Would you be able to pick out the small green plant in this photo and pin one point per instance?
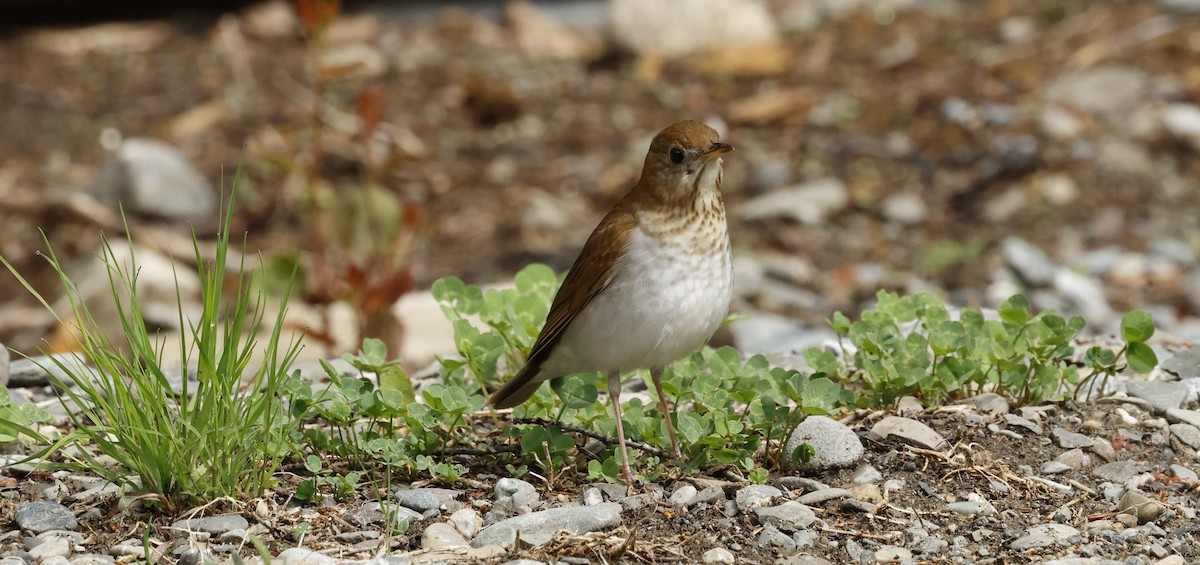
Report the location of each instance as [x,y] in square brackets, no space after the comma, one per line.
[910,345]
[727,408]
[17,419]
[222,437]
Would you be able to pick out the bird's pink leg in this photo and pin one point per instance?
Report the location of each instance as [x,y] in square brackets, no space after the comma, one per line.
[656,376]
[614,395]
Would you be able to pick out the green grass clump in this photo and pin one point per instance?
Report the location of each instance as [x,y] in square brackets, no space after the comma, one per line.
[223,437]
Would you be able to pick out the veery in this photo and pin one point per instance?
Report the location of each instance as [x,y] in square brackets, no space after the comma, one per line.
[652,283]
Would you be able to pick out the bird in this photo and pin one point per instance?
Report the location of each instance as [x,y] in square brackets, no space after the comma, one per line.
[651,285]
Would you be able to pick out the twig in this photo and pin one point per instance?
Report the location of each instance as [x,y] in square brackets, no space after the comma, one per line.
[594,435]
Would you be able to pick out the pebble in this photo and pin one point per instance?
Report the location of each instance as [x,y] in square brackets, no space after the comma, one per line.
[866,474]
[989,403]
[682,496]
[770,536]
[1014,420]
[592,497]
[908,431]
[971,508]
[1055,467]
[651,28]
[1161,395]
[210,524]
[467,521]
[440,535]
[1184,473]
[1029,262]
[519,492]
[1044,535]
[1187,433]
[1181,416]
[905,208]
[150,177]
[808,203]
[304,556]
[1074,459]
[718,555]
[538,527]
[418,500]
[52,547]
[1070,440]
[41,516]
[1146,509]
[892,554]
[834,444]
[753,496]
[823,495]
[790,516]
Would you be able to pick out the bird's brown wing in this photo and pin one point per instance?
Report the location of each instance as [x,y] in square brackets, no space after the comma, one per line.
[592,271]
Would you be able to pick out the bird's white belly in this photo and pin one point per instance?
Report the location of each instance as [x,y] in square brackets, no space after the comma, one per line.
[662,304]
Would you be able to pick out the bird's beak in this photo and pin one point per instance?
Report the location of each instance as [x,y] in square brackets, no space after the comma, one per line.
[716,150]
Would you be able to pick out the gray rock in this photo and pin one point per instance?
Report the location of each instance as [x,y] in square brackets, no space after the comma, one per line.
[1181,6]
[1181,416]
[1074,459]
[866,474]
[519,492]
[905,208]
[467,521]
[718,555]
[1161,395]
[53,547]
[1145,508]
[682,496]
[539,527]
[1187,433]
[1014,420]
[1055,467]
[790,516]
[808,203]
[753,496]
[1029,262]
[440,535]
[989,403]
[215,525]
[1067,439]
[1086,294]
[823,495]
[304,556]
[151,177]
[1184,364]
[1184,473]
[706,496]
[1183,121]
[893,554]
[971,507]
[1044,535]
[190,556]
[36,371]
[834,444]
[42,516]
[592,497]
[660,29]
[637,501]
[1100,89]
[1118,472]
[908,431]
[418,500]
[770,536]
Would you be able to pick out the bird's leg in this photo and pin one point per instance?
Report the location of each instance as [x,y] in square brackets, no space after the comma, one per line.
[656,376]
[614,395]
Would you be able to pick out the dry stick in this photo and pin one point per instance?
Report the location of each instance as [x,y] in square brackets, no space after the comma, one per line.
[589,433]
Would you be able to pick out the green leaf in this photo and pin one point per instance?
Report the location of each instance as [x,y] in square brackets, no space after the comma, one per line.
[689,426]
[1015,310]
[1141,357]
[1137,326]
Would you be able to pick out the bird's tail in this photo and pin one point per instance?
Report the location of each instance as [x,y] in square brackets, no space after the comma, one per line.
[516,391]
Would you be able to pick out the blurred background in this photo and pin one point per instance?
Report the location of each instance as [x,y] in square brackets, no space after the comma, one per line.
[972,149]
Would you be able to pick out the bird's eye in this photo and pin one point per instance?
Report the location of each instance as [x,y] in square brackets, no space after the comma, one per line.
[676,155]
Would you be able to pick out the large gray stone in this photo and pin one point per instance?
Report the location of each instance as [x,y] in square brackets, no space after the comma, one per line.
[1161,395]
[834,444]
[538,528]
[790,516]
[42,516]
[151,177]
